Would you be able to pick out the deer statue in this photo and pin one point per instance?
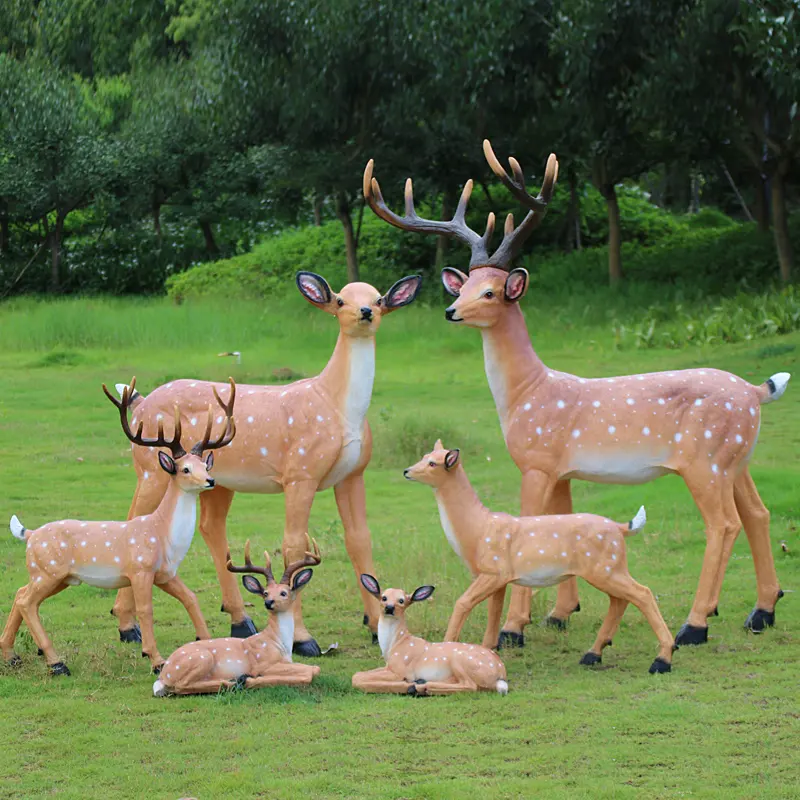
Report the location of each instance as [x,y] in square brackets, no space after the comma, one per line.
[701,424]
[535,552]
[297,439]
[265,659]
[143,551]
[416,667]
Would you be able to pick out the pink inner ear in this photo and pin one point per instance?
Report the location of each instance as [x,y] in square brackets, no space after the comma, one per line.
[312,290]
[515,286]
[452,281]
[404,292]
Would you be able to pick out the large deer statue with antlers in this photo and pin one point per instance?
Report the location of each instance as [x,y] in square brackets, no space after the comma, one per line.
[701,424]
[143,551]
[265,659]
[297,439]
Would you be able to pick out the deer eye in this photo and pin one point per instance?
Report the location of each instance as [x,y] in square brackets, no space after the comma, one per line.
[488,294]
[431,463]
[401,601]
[186,470]
[383,598]
[379,301]
[339,302]
[283,594]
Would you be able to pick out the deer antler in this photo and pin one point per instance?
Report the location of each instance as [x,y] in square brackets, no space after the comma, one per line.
[249,567]
[308,560]
[122,406]
[230,428]
[456,228]
[513,238]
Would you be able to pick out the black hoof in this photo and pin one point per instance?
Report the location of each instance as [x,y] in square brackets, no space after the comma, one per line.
[374,638]
[307,649]
[412,690]
[157,669]
[590,659]
[420,681]
[659,667]
[243,629]
[759,619]
[510,639]
[576,609]
[555,622]
[365,621]
[241,683]
[715,612]
[39,651]
[131,636]
[690,634]
[59,668]
[14,661]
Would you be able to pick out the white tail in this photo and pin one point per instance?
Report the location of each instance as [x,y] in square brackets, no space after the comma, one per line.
[17,528]
[777,384]
[159,690]
[502,687]
[638,522]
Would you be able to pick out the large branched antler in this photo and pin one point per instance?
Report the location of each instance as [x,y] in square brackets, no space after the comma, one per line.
[308,560]
[230,428]
[124,404]
[249,567]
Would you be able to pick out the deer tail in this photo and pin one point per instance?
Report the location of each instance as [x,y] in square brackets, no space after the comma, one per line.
[773,388]
[636,524]
[137,396]
[18,530]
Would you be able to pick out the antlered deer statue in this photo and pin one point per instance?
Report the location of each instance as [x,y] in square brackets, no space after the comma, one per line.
[701,424]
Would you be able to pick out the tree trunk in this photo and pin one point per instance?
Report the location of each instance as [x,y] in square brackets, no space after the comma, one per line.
[442,241]
[614,235]
[54,236]
[573,215]
[780,225]
[5,242]
[343,212]
[318,200]
[761,204]
[157,222]
[208,234]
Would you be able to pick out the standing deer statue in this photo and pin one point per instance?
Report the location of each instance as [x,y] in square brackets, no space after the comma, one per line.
[416,667]
[143,551]
[535,552]
[264,659]
[701,424]
[297,439]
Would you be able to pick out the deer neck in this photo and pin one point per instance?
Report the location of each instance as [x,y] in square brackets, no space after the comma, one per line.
[348,379]
[280,629]
[392,632]
[512,367]
[461,513]
[175,520]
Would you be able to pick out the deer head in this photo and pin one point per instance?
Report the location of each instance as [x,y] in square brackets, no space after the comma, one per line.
[394,602]
[359,307]
[435,467]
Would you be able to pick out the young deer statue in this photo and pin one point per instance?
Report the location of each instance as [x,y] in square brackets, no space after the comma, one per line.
[416,667]
[297,439]
[499,549]
[143,551]
[701,424]
[265,659]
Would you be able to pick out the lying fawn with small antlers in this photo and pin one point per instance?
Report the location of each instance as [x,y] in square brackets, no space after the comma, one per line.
[136,553]
[265,659]
[499,549]
[296,439]
[416,667]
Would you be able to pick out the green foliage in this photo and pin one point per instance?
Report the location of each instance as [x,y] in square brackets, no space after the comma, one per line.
[709,217]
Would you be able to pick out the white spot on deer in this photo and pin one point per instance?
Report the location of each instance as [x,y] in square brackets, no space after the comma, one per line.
[738,439]
[630,401]
[83,544]
[527,406]
[561,404]
[301,450]
[263,451]
[555,535]
[116,558]
[576,433]
[219,419]
[193,420]
[646,431]
[596,403]
[661,401]
[488,538]
[250,419]
[752,411]
[539,431]
[678,437]
[698,402]
[707,434]
[291,420]
[613,556]
[714,468]
[728,406]
[612,429]
[731,379]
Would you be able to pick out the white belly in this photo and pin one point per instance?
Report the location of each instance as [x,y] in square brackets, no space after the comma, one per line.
[449,530]
[541,576]
[98,575]
[181,532]
[621,468]
[344,465]
[432,671]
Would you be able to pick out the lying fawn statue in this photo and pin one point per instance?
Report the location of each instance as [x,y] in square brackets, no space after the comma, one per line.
[416,667]
[265,659]
[499,549]
[138,553]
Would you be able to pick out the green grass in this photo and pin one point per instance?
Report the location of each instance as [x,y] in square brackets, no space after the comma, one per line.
[725,723]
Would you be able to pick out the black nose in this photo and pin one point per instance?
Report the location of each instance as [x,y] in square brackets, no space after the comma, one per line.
[269,604]
[389,610]
[405,473]
[366,312]
[449,312]
[210,482]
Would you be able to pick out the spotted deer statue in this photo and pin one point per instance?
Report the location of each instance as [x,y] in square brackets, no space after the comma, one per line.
[535,552]
[701,424]
[296,439]
[416,667]
[143,551]
[264,659]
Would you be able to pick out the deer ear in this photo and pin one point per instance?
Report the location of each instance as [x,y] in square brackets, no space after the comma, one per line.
[301,578]
[314,288]
[405,291]
[451,459]
[453,280]
[438,445]
[167,464]
[423,593]
[209,461]
[370,584]
[516,284]
[252,584]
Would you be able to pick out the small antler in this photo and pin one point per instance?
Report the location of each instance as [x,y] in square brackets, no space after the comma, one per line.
[124,404]
[456,228]
[249,567]
[230,428]
[308,560]
[514,238]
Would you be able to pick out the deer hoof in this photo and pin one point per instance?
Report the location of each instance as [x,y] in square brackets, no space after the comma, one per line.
[659,667]
[510,639]
[131,635]
[691,634]
[59,668]
[365,621]
[307,649]
[39,651]
[241,683]
[374,638]
[715,612]
[590,659]
[157,668]
[412,690]
[555,622]
[243,629]
[14,661]
[759,619]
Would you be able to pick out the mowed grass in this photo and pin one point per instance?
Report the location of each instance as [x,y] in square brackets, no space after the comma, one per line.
[725,723]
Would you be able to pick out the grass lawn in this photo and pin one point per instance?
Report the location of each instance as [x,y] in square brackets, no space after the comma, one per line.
[724,723]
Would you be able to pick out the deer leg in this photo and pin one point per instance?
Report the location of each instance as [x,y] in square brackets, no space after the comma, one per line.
[142,584]
[567,601]
[460,683]
[10,631]
[755,518]
[381,681]
[495,614]
[146,498]
[537,488]
[483,586]
[214,507]
[299,497]
[616,608]
[350,498]
[284,675]
[176,588]
[29,604]
[731,534]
